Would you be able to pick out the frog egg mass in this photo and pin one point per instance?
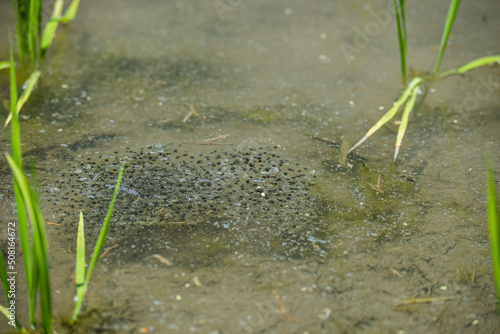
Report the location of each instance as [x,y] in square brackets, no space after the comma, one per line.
[235,200]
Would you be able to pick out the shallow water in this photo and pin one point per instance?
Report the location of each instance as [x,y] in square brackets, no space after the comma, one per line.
[362,245]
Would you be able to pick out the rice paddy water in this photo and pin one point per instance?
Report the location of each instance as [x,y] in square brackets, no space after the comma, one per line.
[240,210]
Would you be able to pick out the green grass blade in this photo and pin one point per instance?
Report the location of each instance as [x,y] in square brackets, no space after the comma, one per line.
[41,259]
[17,325]
[71,11]
[3,278]
[41,250]
[40,267]
[33,25]
[98,246]
[399,12]
[452,13]
[80,258]
[4,311]
[391,112]
[472,65]
[30,31]
[403,23]
[4,65]
[493,223]
[16,135]
[51,26]
[21,210]
[405,118]
[479,62]
[30,85]
[35,283]
[19,32]
[17,157]
[20,191]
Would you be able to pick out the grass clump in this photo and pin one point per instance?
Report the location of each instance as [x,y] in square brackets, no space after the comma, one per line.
[32,44]
[493,223]
[35,255]
[82,281]
[419,85]
[31,228]
[33,41]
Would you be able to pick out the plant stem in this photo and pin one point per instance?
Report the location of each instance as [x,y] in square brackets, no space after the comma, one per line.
[399,12]
[493,223]
[452,13]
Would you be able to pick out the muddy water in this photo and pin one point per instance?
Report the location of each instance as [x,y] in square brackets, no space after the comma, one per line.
[222,236]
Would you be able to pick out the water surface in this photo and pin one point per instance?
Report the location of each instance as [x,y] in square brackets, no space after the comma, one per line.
[349,244]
